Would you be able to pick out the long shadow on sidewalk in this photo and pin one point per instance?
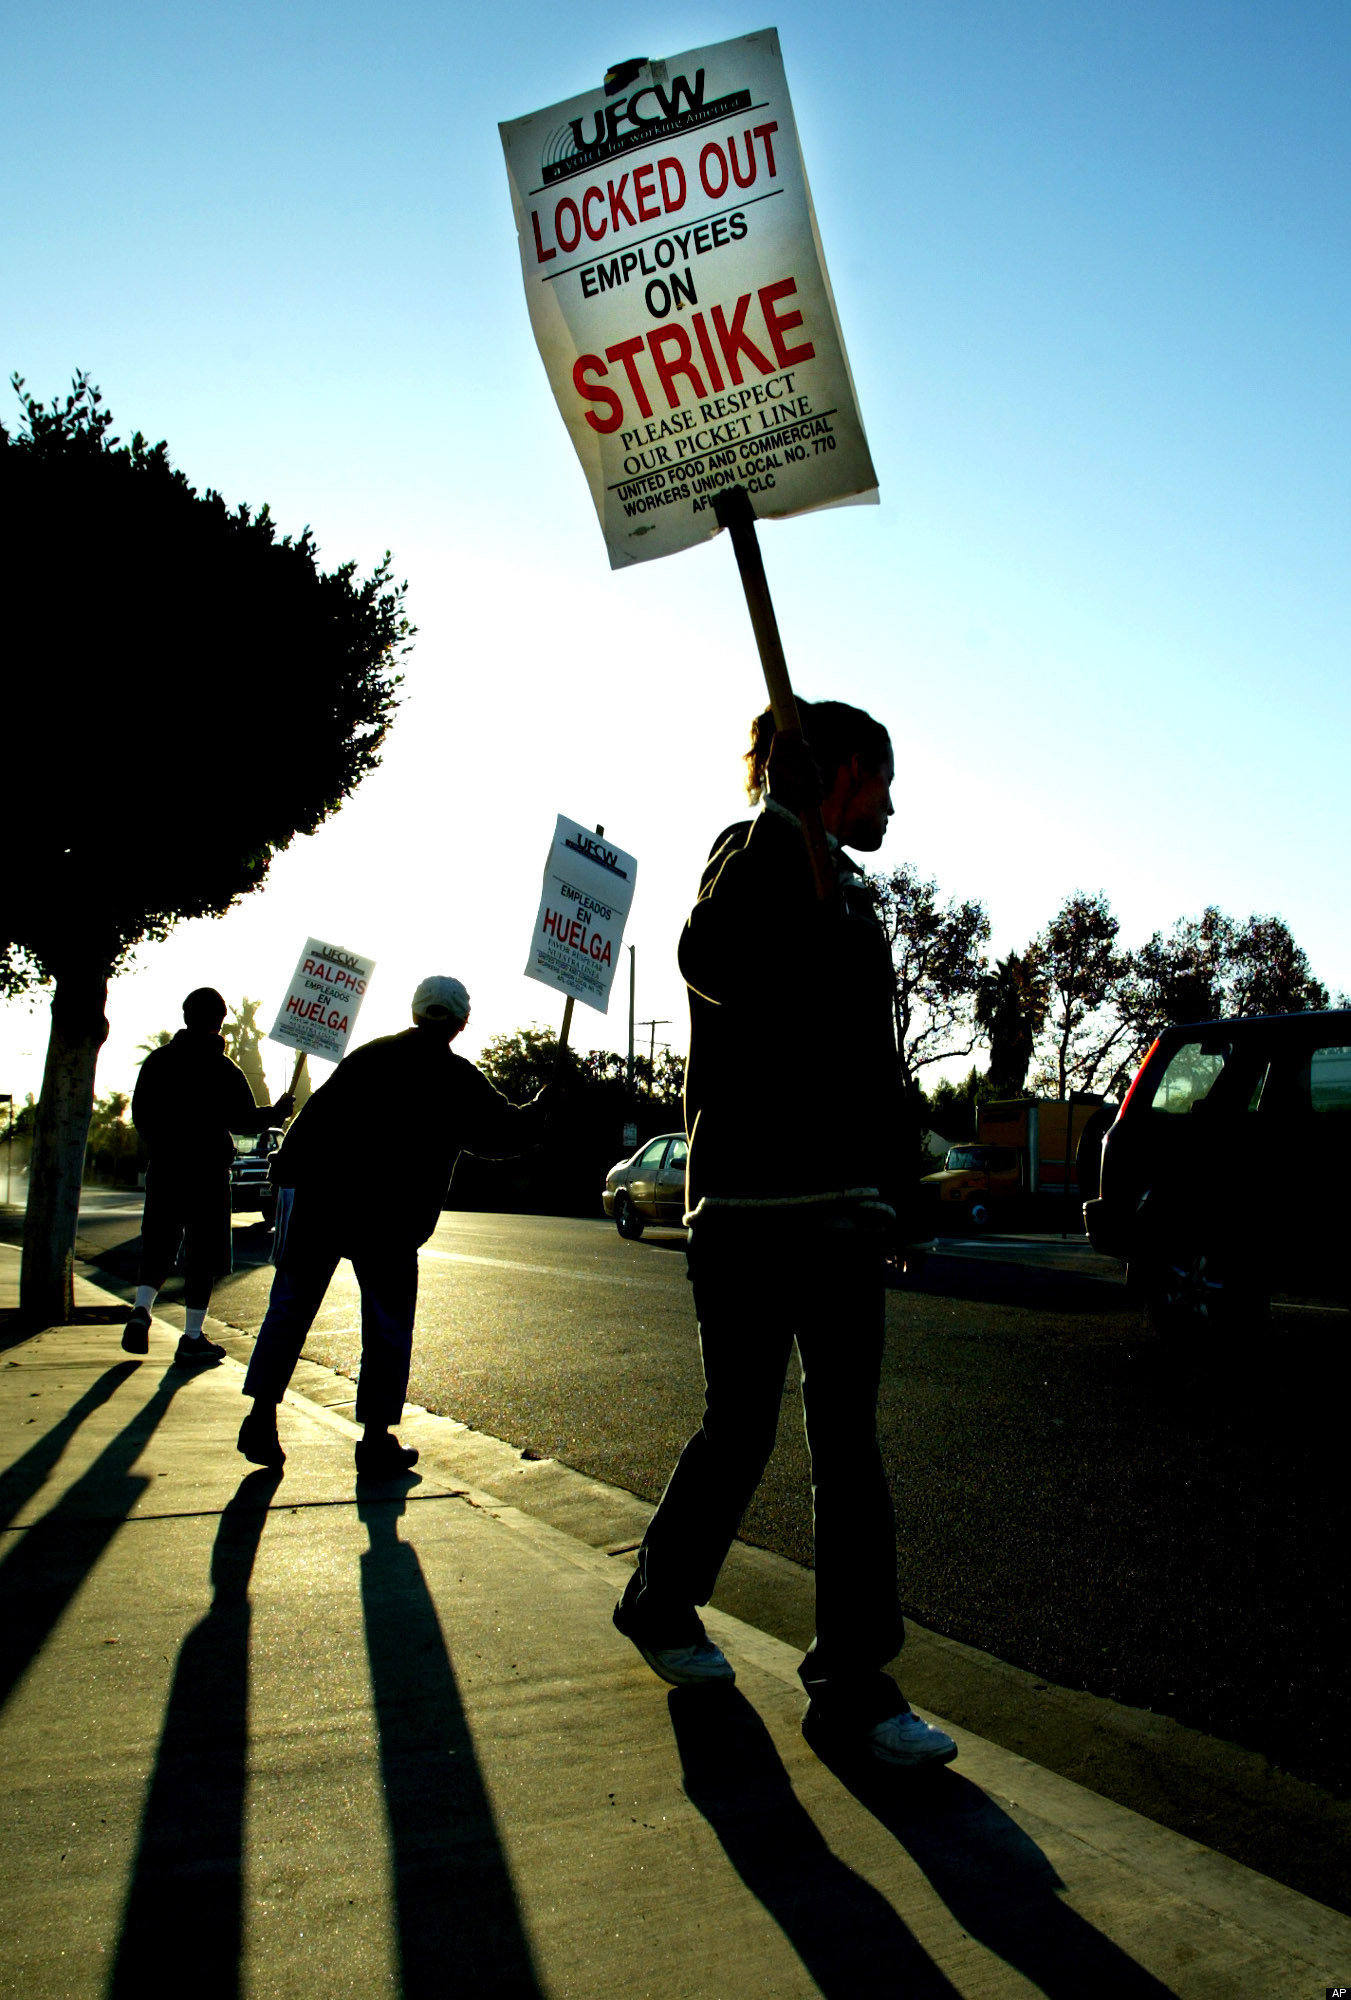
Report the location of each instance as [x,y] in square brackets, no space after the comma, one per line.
[183,1921]
[49,1562]
[846,1933]
[458,1922]
[29,1473]
[996,1881]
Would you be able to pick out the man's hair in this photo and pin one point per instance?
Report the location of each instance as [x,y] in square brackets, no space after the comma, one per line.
[834,733]
[204,1008]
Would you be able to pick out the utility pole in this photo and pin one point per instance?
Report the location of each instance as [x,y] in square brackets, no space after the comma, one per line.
[628,1074]
[652,1053]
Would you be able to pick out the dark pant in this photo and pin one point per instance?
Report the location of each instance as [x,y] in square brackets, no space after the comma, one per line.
[307,1256]
[754,1295]
[187,1208]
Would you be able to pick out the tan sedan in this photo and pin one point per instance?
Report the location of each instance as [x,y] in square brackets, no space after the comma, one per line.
[648,1187]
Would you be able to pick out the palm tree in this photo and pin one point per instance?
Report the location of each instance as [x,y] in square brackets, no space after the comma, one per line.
[1011,1005]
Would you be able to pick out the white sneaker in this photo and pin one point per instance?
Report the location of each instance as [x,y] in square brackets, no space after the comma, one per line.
[699,1664]
[704,1665]
[908,1741]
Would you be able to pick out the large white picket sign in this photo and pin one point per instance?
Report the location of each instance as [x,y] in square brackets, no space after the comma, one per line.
[588,887]
[322,1002]
[679,298]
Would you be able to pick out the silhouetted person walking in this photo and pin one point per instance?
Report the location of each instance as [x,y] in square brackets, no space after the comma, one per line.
[189,1099]
[792,1106]
[428,1105]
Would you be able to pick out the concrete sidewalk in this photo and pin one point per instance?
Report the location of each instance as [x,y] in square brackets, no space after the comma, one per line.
[279,1735]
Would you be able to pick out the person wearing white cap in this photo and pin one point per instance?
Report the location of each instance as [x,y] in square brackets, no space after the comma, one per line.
[441,999]
[427,1105]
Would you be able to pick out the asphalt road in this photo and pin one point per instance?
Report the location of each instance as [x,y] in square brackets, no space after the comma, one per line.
[1165,1527]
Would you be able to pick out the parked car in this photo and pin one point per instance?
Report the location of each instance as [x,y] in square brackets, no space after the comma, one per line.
[1227,1172]
[649,1186]
[250,1187]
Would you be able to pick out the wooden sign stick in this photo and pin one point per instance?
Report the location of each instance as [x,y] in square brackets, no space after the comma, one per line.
[735,513]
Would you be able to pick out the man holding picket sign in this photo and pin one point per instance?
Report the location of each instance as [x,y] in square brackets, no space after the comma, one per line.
[680,302]
[429,1105]
[791,1038]
[189,1099]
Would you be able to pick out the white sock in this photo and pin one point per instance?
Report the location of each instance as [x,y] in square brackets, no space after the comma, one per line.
[146,1296]
[193,1317]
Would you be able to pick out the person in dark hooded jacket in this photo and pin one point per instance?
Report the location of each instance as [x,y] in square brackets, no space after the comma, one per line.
[189,1099]
[793,1110]
[431,1105]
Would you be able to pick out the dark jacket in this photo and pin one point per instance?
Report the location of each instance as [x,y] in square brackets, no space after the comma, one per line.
[379,1141]
[190,1097]
[792,1092]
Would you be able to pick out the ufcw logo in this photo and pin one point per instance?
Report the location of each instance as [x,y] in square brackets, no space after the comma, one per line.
[623,114]
[594,851]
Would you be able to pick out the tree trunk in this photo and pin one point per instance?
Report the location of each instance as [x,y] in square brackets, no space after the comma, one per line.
[56,1167]
[1063,1064]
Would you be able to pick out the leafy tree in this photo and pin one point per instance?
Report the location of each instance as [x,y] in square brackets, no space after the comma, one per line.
[16,1136]
[1269,973]
[1011,1003]
[1212,966]
[111,1148]
[1087,1035]
[603,1066]
[662,1081]
[25,1117]
[522,1062]
[1182,976]
[585,1136]
[938,959]
[133,603]
[952,1107]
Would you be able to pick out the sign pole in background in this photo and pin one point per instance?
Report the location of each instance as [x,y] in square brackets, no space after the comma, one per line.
[579,927]
[681,305]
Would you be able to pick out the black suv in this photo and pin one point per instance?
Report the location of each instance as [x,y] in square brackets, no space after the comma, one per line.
[1227,1173]
[250,1186]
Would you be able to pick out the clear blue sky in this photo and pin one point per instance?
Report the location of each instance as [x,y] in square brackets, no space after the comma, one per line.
[1092,267]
